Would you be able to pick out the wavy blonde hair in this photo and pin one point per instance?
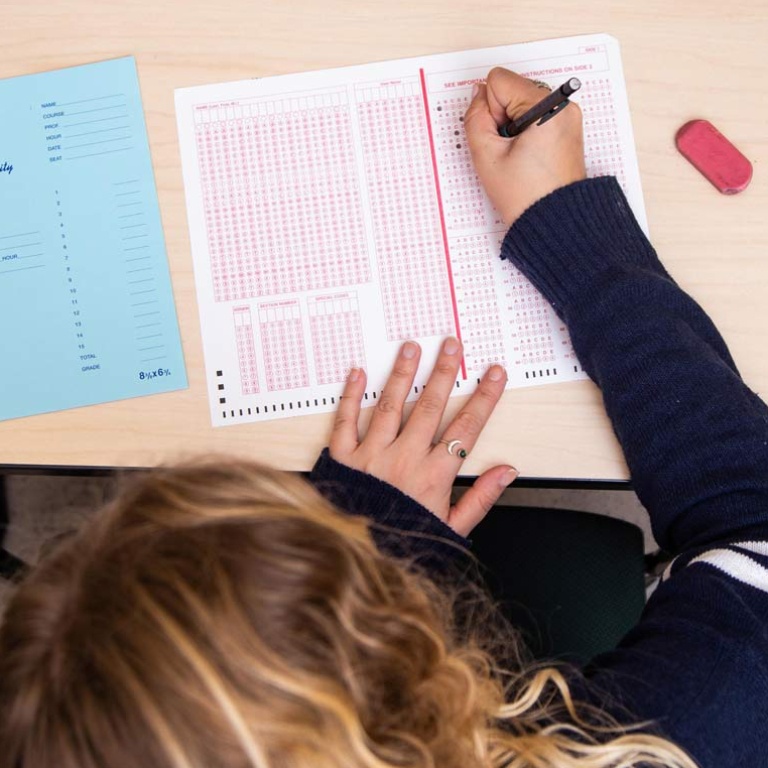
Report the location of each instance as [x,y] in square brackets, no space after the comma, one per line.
[224,615]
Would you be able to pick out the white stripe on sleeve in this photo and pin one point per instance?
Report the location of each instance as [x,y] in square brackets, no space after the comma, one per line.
[758,547]
[740,567]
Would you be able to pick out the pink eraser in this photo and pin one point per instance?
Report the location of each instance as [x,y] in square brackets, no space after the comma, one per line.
[714,156]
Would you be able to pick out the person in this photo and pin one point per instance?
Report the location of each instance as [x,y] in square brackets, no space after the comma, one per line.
[224,614]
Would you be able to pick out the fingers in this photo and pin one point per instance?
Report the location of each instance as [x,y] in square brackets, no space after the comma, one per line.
[475,504]
[428,411]
[471,419]
[345,436]
[504,96]
[388,415]
[482,131]
[509,95]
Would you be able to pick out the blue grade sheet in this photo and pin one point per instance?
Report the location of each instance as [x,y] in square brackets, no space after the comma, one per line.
[86,307]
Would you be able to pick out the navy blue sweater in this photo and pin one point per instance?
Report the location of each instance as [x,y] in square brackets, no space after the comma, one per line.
[696,442]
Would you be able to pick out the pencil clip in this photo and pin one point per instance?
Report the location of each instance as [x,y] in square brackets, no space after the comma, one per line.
[562,105]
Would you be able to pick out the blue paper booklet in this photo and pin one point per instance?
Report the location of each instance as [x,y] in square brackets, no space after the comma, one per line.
[86,306]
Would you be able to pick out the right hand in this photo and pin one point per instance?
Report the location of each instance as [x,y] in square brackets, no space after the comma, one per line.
[519,171]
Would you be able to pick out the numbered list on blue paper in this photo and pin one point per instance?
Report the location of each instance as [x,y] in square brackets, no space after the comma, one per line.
[86,306]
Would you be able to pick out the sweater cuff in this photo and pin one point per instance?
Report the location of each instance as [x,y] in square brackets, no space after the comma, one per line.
[570,239]
[400,525]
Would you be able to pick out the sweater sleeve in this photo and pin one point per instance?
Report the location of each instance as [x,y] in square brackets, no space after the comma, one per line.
[696,441]
[695,437]
[400,526]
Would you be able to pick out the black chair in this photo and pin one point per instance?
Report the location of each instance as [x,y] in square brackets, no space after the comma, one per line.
[572,582]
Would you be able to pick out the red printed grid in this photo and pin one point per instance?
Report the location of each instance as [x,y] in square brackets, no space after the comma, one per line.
[463,196]
[246,350]
[531,331]
[602,144]
[282,339]
[401,185]
[281,197]
[481,320]
[337,337]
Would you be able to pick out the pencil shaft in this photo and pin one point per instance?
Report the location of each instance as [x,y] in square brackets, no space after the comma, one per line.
[557,99]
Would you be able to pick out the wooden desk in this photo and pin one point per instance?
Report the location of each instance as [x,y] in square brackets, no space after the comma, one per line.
[681,61]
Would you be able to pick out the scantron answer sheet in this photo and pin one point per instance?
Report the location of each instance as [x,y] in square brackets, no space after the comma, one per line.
[334,214]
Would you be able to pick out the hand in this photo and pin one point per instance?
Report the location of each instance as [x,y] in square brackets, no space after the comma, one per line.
[517,172]
[407,455]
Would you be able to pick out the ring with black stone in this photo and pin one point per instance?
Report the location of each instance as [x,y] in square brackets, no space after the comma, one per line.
[452,445]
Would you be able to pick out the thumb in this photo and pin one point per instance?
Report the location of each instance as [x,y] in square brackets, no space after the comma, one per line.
[475,504]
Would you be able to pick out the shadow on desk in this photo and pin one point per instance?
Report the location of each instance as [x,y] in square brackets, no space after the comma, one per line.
[10,565]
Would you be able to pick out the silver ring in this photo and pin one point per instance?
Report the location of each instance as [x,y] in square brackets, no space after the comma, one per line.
[452,445]
[541,84]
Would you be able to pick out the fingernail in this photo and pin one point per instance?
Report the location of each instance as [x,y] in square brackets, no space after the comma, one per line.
[450,346]
[496,373]
[354,374]
[508,477]
[409,350]
[475,90]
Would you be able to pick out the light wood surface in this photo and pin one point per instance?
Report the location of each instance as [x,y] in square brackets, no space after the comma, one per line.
[682,60]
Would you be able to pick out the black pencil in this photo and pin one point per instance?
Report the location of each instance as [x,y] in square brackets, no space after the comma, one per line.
[546,109]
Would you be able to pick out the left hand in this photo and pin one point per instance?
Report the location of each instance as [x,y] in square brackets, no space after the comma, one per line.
[407,455]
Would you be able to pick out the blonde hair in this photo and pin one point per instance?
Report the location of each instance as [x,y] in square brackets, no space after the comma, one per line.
[224,615]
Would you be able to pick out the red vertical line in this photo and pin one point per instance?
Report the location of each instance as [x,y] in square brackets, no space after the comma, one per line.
[442,216]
